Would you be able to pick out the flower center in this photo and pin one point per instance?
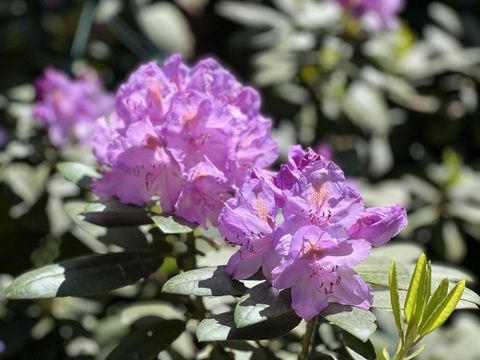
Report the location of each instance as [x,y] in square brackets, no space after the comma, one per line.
[319,194]
[312,251]
[261,208]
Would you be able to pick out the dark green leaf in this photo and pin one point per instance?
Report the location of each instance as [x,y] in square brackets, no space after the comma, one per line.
[209,281]
[358,322]
[260,303]
[358,350]
[172,224]
[222,327]
[110,212]
[84,276]
[78,173]
[147,341]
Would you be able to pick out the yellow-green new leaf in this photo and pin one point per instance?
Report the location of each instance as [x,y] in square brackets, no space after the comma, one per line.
[439,294]
[416,353]
[423,294]
[394,297]
[414,286]
[385,354]
[445,309]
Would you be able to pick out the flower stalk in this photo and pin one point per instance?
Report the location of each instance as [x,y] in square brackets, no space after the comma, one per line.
[308,337]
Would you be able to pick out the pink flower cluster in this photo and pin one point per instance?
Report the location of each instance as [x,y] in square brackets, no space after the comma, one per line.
[69,108]
[184,135]
[376,14]
[306,229]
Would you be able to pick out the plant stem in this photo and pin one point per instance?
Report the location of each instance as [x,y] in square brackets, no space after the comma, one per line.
[403,349]
[191,264]
[308,338]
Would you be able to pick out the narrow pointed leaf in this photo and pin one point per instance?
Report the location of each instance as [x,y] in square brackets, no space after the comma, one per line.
[413,289]
[422,299]
[208,281]
[394,297]
[439,294]
[415,353]
[445,309]
[381,299]
[385,354]
[84,276]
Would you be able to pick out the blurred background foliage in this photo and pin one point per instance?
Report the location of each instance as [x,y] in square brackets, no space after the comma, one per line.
[399,111]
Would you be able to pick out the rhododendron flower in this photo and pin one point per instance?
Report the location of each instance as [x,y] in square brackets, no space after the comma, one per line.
[69,108]
[184,135]
[377,15]
[248,220]
[325,232]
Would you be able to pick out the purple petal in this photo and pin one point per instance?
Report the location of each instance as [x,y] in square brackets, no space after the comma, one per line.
[352,290]
[378,225]
[306,301]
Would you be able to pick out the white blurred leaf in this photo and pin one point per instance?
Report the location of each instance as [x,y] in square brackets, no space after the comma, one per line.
[316,14]
[381,158]
[446,17]
[365,105]
[455,248]
[422,217]
[464,211]
[249,14]
[441,40]
[385,193]
[107,9]
[421,188]
[27,182]
[167,27]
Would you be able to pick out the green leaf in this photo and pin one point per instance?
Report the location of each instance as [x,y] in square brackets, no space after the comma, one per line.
[416,352]
[358,322]
[147,341]
[394,298]
[398,251]
[110,212]
[172,224]
[439,294]
[78,173]
[222,327]
[415,285]
[357,349]
[159,309]
[208,281]
[381,299]
[444,310]
[385,354]
[375,271]
[422,297]
[84,276]
[260,303]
